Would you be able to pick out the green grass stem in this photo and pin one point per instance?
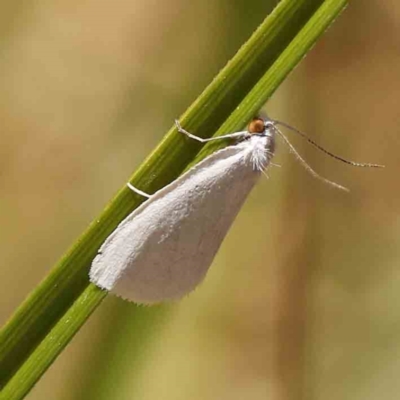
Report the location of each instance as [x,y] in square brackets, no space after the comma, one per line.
[48,319]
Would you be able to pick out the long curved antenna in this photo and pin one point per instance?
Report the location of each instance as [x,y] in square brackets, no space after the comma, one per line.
[305,165]
[316,145]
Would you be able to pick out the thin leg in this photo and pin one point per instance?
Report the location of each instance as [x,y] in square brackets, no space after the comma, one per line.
[271,154]
[241,134]
[274,165]
[130,186]
[263,172]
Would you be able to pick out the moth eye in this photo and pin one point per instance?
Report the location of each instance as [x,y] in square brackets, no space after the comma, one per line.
[256,126]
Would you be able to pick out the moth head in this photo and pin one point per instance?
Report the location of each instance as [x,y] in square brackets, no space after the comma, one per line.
[256,126]
[260,126]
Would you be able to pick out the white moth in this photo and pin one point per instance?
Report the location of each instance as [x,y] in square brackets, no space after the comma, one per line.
[164,248]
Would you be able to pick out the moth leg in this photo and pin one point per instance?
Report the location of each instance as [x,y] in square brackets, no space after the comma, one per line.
[274,164]
[138,191]
[241,134]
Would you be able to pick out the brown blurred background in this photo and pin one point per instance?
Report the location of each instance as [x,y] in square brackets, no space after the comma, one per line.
[303,300]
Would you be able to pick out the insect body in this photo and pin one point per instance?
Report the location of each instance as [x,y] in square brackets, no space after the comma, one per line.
[164,248]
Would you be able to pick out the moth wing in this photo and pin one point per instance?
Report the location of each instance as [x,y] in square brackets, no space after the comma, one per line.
[164,248]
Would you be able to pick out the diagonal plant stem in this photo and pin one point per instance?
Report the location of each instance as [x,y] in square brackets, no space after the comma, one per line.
[58,307]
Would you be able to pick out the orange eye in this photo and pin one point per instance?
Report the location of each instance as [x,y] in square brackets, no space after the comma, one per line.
[256,126]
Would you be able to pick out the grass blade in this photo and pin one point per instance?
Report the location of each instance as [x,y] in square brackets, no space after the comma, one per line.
[51,315]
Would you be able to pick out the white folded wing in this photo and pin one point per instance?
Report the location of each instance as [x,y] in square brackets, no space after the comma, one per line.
[164,248]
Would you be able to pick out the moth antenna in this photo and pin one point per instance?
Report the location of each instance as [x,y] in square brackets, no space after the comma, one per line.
[319,147]
[305,165]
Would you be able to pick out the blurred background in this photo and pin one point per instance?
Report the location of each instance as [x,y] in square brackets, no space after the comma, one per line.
[302,300]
